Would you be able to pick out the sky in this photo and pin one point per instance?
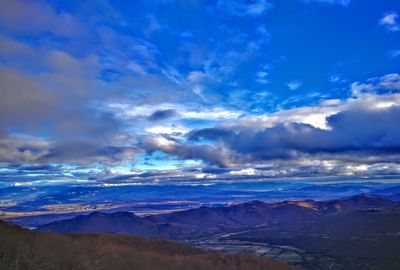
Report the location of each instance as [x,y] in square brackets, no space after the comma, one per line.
[121,92]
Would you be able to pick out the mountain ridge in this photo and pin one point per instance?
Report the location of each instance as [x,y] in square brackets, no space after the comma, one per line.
[205,220]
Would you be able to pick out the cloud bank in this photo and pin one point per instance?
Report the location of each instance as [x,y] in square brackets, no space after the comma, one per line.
[159,91]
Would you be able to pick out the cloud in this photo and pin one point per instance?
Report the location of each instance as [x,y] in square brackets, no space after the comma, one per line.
[370,132]
[390,21]
[27,17]
[331,2]
[51,94]
[196,77]
[385,84]
[183,111]
[336,79]
[293,85]
[48,97]
[22,149]
[78,88]
[213,154]
[262,77]
[359,130]
[394,53]
[245,8]
[336,137]
[136,68]
[262,74]
[162,115]
[87,153]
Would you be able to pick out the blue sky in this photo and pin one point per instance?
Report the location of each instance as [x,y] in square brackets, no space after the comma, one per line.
[159,91]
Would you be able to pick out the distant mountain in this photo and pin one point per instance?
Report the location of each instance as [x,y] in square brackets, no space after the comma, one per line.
[23,249]
[205,221]
[354,203]
[118,222]
[249,214]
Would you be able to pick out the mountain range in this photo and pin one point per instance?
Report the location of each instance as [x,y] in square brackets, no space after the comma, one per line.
[355,232]
[203,221]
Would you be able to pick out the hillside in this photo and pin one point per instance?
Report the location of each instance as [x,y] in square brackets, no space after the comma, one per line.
[23,249]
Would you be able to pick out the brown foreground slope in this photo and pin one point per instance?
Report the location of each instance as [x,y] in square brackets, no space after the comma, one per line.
[24,249]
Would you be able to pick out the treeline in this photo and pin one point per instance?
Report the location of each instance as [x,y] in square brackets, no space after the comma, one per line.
[22,249]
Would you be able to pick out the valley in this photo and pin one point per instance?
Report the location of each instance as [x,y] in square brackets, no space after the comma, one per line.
[357,232]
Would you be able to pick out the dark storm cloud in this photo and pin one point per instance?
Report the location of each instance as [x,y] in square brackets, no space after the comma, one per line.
[371,132]
[162,115]
[35,168]
[87,153]
[210,133]
[38,152]
[214,170]
[369,129]
[56,99]
[87,124]
[56,105]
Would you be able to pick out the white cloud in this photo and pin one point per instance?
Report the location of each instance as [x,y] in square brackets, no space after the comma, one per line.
[258,7]
[293,85]
[262,74]
[128,111]
[315,115]
[394,53]
[195,76]
[331,2]
[364,96]
[243,8]
[247,171]
[388,83]
[390,21]
[167,129]
[336,79]
[37,17]
[137,68]
[262,77]
[173,75]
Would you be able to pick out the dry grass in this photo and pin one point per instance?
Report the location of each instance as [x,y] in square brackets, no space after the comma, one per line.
[23,249]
